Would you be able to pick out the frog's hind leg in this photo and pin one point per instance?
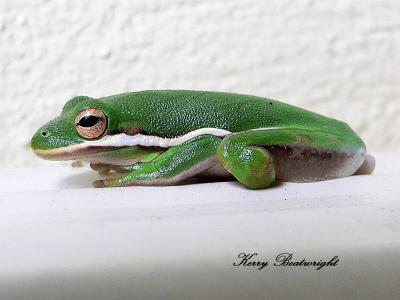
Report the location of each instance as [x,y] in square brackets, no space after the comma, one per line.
[172,166]
[257,157]
[249,163]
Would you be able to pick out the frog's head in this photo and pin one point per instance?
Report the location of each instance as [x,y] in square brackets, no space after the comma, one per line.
[76,132]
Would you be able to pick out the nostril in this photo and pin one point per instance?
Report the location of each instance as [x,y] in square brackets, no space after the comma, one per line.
[44,133]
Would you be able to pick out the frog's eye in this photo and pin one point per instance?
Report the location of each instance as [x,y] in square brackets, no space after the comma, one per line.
[91,123]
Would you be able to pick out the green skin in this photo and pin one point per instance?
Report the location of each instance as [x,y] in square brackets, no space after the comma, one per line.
[256,126]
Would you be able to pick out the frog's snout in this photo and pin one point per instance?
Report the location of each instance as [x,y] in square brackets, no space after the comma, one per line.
[40,142]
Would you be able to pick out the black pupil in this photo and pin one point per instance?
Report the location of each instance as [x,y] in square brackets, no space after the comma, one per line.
[88,121]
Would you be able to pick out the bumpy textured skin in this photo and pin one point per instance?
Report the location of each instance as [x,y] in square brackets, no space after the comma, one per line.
[257,125]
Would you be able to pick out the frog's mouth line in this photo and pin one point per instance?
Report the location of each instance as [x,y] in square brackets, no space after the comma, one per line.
[90,149]
[72,152]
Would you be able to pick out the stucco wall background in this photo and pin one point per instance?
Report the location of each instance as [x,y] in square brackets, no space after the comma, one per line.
[339,58]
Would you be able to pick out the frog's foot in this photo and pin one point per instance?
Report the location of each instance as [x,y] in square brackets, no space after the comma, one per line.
[105,169]
[172,166]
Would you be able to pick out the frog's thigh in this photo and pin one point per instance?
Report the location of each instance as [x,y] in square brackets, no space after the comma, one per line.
[172,166]
[256,157]
[250,165]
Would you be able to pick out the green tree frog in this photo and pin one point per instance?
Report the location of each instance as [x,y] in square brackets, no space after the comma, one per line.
[163,137]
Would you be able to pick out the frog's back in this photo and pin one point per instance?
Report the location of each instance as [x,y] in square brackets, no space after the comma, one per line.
[180,111]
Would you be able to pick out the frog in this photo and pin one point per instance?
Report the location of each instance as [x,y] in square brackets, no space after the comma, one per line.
[167,137]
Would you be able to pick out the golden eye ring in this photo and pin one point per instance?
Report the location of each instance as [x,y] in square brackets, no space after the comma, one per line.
[91,123]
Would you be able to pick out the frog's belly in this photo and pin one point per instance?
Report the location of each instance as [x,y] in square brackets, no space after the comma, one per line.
[299,164]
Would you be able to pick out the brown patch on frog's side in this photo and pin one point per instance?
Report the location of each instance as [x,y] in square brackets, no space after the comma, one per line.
[127,131]
[132,131]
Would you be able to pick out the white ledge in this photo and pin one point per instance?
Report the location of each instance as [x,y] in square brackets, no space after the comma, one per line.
[62,239]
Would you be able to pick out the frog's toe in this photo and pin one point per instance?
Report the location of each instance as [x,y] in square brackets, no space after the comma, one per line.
[99,183]
[106,169]
[108,183]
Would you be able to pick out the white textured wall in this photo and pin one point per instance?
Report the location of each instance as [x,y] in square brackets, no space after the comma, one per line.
[340,58]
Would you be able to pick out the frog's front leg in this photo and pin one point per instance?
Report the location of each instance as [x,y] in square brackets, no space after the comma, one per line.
[172,166]
[256,157]
[124,160]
